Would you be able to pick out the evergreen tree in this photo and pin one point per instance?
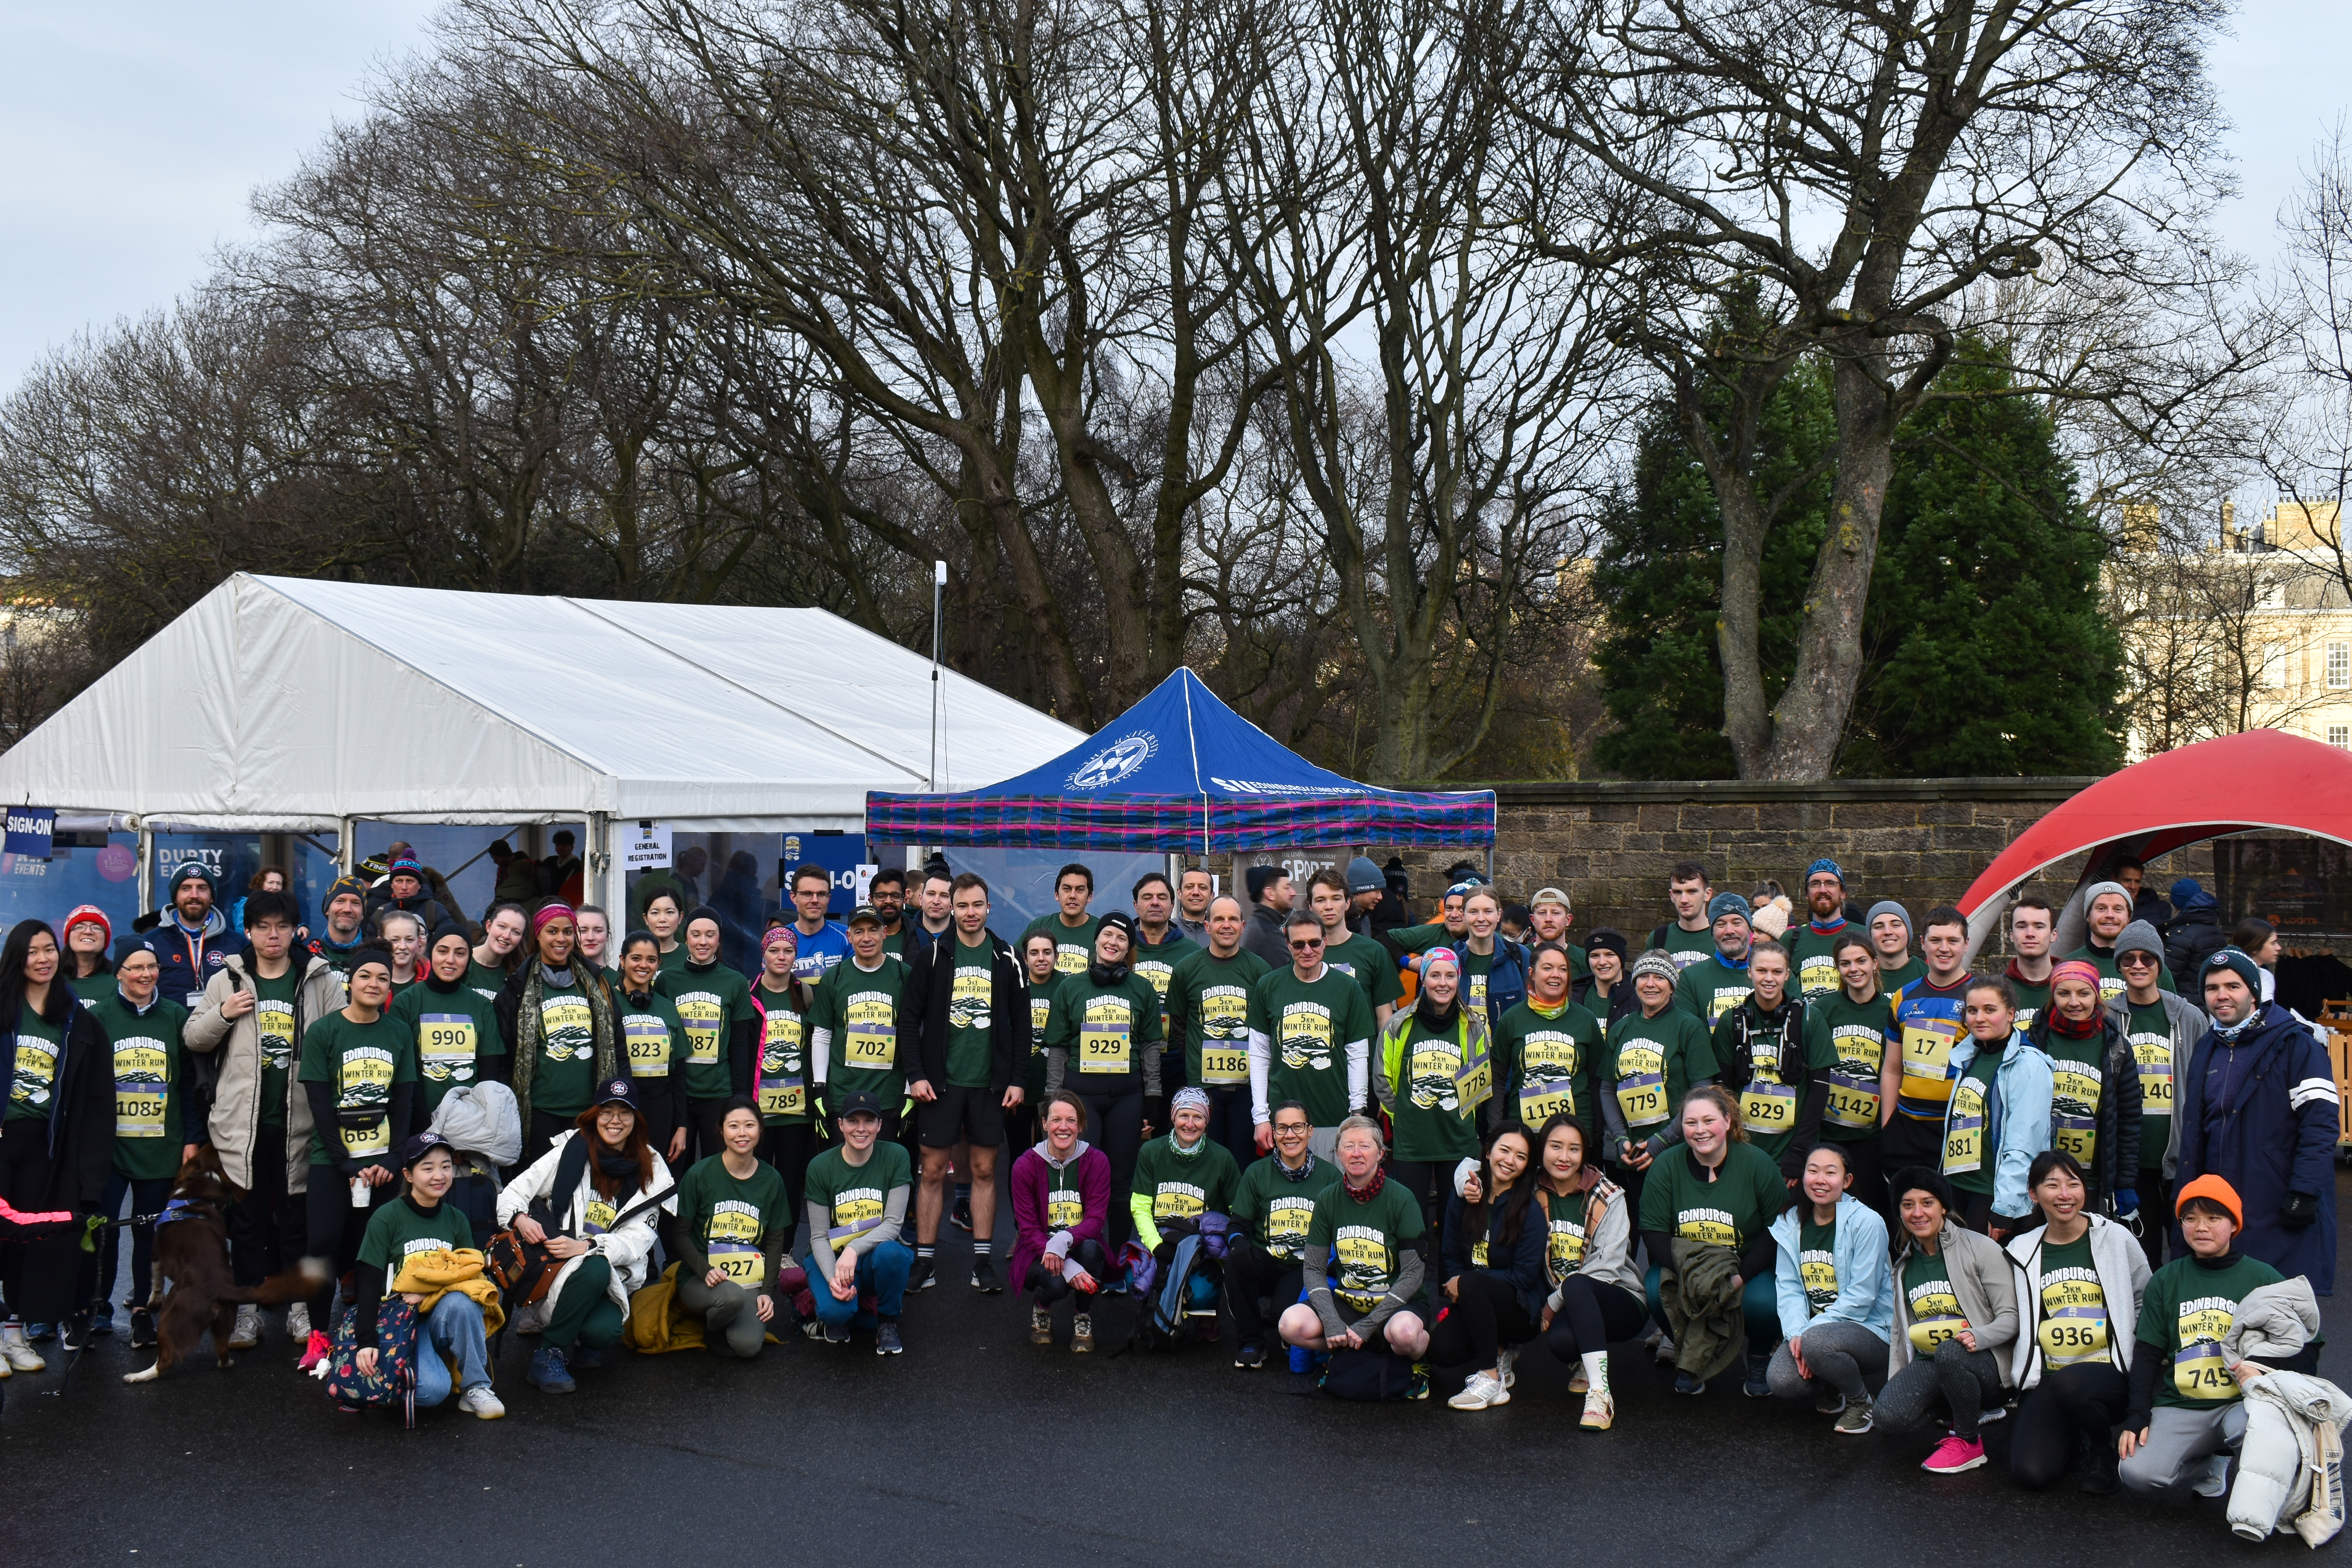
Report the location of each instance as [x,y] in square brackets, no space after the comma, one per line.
[1985,648]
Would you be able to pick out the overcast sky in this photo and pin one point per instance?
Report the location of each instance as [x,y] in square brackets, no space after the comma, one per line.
[134,133]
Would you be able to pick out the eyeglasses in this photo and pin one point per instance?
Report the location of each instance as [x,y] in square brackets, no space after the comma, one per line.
[2135,960]
[1293,1130]
[1309,945]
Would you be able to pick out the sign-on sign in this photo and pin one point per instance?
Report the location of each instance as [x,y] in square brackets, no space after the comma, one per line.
[31,831]
[646,849]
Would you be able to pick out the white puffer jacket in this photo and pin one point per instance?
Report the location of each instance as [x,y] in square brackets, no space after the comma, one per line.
[2291,1463]
[626,1246]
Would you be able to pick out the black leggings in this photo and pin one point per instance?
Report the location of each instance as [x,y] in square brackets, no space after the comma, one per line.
[147,1196]
[1485,1317]
[39,1276]
[788,1147]
[1250,1274]
[1045,1289]
[334,1232]
[1868,1163]
[2087,1401]
[1230,1123]
[266,1229]
[546,1127]
[1592,1315]
[1114,1122]
[1422,1179]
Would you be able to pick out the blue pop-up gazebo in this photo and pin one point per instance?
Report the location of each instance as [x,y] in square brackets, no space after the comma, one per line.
[1180,772]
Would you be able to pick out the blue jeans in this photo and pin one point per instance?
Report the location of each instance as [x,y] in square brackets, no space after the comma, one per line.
[882,1269]
[454,1328]
[1760,1303]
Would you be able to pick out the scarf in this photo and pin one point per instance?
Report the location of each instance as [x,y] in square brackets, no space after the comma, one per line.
[2231,1031]
[1300,1174]
[619,1167]
[1820,930]
[559,978]
[1181,1152]
[530,1028]
[2067,1028]
[1439,1021]
[2061,1025]
[1370,1190]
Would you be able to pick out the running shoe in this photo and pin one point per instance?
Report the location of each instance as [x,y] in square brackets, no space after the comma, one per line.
[1664,1350]
[1757,1386]
[1041,1326]
[886,1338]
[298,1321]
[835,1333]
[1508,1357]
[315,1350]
[2215,1481]
[479,1401]
[16,1347]
[1417,1387]
[548,1372]
[247,1333]
[1828,1401]
[101,1319]
[1250,1357]
[959,1216]
[984,1276]
[1684,1383]
[1483,1390]
[1953,1454]
[142,1328]
[918,1276]
[1856,1419]
[1082,1332]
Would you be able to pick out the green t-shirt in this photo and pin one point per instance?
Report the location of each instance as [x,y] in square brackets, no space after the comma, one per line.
[361,1062]
[396,1229]
[1104,1028]
[781,1073]
[1850,1039]
[1809,950]
[1564,1239]
[1747,1196]
[2069,1314]
[1651,1063]
[2077,1080]
[1817,1262]
[1543,1061]
[854,1197]
[1041,1013]
[972,1004]
[2111,979]
[1366,1240]
[564,1077]
[1425,1109]
[455,1029]
[1774,1093]
[1309,1025]
[273,1021]
[485,980]
[732,1219]
[147,1135]
[1185,1187]
[2032,1000]
[1709,988]
[1156,963]
[38,1044]
[92,989]
[1890,981]
[1932,1307]
[675,959]
[1688,947]
[653,1040]
[1369,962]
[2187,1311]
[1208,1013]
[1277,1209]
[1421,939]
[711,999]
[861,1011]
[1074,946]
[2151,1044]
[1968,1162]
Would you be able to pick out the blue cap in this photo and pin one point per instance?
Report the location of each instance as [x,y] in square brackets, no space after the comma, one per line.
[1724,904]
[1824,865]
[2238,962]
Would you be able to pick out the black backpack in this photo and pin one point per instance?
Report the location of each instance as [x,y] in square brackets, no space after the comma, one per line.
[1368,1376]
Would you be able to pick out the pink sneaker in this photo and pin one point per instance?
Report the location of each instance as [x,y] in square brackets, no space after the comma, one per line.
[1955,1454]
[316,1352]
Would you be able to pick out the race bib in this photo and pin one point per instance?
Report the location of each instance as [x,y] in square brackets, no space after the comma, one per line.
[733,1241]
[1224,1065]
[1926,1333]
[1064,1207]
[2073,1326]
[1851,1101]
[363,1083]
[700,1017]
[598,1217]
[784,1097]
[1642,1086]
[853,1214]
[1769,1108]
[138,1088]
[445,1046]
[2197,1370]
[2074,1108]
[870,1034]
[1927,1058]
[2153,1053]
[1539,1102]
[1964,1131]
[1103,1047]
[647,1039]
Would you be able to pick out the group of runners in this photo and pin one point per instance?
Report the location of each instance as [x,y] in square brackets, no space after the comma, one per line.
[1819,1157]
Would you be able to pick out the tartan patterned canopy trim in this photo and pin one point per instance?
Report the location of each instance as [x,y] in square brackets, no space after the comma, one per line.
[1176,824]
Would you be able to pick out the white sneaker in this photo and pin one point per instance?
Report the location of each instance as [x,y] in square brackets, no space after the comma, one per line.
[298,1323]
[1483,1390]
[2215,1479]
[1509,1356]
[479,1401]
[1665,1351]
[21,1356]
[247,1332]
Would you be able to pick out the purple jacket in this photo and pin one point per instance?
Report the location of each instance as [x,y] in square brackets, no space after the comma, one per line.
[1032,1178]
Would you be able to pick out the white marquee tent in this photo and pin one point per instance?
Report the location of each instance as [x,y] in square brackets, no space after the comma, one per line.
[284,705]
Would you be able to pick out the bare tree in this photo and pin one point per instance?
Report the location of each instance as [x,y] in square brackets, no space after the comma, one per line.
[1853,179]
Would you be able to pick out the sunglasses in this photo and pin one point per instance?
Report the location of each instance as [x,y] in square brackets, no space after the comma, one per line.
[2135,960]
[1309,945]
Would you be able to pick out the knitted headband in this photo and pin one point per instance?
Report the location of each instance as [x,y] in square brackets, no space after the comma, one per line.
[2076,969]
[1657,962]
[551,910]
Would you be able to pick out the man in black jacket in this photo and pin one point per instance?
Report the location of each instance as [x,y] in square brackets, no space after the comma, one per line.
[970,1045]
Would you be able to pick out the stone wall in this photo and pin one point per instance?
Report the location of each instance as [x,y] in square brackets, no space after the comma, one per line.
[1919,841]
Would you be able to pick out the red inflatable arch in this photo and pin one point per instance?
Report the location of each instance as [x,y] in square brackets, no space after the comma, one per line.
[2261,779]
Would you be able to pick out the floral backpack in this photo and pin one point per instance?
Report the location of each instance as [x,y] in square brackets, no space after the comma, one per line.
[393,1382]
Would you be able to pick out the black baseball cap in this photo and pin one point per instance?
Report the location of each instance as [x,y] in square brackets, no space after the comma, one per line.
[864,912]
[857,1102]
[421,1144]
[616,1091]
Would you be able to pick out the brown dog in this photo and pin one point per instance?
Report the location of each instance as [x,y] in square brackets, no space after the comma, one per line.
[192,1251]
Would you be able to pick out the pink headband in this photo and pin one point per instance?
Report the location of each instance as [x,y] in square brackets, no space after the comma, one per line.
[549,911]
[2076,969]
[784,934]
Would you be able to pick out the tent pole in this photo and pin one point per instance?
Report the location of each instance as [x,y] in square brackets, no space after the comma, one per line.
[931,761]
[603,881]
[146,869]
[347,845]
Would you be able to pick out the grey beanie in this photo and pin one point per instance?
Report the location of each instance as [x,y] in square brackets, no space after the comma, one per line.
[2140,937]
[1887,907]
[1728,904]
[2092,892]
[1657,961]
[1363,877]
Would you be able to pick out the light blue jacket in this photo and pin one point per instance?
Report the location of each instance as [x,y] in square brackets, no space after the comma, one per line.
[2017,1122]
[1865,1286]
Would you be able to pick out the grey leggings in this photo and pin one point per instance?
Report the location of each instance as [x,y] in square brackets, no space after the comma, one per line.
[1842,1354]
[1963,1381]
[730,1314]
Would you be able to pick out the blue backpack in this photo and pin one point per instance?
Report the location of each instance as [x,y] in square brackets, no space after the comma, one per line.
[1184,1290]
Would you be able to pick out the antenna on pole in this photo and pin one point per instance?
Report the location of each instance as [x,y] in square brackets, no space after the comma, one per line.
[939,587]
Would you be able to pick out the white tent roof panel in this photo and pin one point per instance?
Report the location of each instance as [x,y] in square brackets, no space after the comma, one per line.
[278,703]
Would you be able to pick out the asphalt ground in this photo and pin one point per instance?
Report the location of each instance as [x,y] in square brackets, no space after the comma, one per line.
[978,1446]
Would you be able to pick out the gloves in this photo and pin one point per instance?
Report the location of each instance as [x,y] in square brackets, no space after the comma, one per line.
[2127,1201]
[2299,1210]
[1155,1113]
